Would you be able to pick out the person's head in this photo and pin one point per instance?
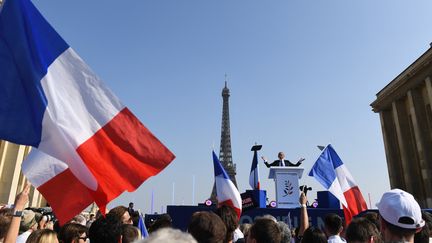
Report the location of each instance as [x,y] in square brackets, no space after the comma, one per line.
[400,215]
[164,221]
[285,232]
[269,216]
[43,236]
[426,232]
[122,214]
[427,217]
[79,219]
[207,227]
[373,217]
[28,221]
[423,235]
[264,230]
[333,224]
[245,229]
[169,235]
[73,233]
[135,215]
[131,205]
[281,155]
[5,220]
[91,216]
[314,235]
[130,233]
[362,230]
[105,230]
[230,219]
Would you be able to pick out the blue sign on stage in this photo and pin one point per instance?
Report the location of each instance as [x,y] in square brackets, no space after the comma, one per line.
[181,215]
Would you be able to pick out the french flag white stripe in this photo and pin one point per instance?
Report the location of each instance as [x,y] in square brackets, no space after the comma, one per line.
[78,106]
[226,190]
[47,167]
[345,178]
[336,190]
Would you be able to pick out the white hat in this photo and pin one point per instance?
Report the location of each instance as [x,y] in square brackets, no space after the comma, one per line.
[401,209]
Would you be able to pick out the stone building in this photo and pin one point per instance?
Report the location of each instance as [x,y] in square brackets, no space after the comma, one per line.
[12,180]
[404,106]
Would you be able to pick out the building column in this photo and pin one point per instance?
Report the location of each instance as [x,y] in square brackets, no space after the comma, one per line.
[2,161]
[6,172]
[409,156]
[423,141]
[394,162]
[16,186]
[429,89]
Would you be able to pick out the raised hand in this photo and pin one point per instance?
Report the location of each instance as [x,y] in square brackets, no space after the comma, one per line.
[302,199]
[22,198]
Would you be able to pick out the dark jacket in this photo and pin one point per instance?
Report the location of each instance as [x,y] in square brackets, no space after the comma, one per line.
[277,162]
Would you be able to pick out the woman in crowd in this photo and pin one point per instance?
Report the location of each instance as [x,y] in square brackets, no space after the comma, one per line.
[73,233]
[43,236]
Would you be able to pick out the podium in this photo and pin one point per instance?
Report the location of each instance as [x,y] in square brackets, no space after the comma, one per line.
[287,185]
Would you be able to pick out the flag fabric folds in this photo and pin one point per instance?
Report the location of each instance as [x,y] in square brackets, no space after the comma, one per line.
[55,181]
[254,175]
[142,227]
[226,191]
[50,99]
[330,172]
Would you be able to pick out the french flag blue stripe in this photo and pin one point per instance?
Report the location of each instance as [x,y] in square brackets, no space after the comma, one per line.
[324,168]
[218,167]
[334,157]
[28,46]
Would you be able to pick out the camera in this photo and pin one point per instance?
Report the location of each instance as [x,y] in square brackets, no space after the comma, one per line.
[305,189]
[46,214]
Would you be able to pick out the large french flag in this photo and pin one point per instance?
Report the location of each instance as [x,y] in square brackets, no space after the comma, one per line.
[226,191]
[254,175]
[330,172]
[50,99]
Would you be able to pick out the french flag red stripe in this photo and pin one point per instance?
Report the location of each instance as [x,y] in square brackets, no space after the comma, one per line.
[124,139]
[355,201]
[66,195]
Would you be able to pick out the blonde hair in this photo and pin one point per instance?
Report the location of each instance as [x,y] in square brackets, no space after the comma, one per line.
[43,236]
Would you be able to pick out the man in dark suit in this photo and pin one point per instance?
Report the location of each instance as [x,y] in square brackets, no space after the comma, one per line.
[281,161]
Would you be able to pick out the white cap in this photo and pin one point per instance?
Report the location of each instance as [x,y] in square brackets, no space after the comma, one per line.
[401,209]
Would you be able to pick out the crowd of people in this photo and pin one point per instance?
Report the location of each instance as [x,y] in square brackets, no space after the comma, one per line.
[399,219]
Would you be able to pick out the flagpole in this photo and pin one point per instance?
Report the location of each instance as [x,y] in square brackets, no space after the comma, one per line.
[370,204]
[152,202]
[193,189]
[173,193]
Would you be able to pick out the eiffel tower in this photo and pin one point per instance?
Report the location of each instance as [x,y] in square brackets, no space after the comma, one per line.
[225,155]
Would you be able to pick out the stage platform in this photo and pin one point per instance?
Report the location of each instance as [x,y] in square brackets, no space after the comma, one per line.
[182,214]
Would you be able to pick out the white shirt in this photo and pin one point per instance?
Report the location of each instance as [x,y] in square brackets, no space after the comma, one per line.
[237,235]
[22,238]
[336,239]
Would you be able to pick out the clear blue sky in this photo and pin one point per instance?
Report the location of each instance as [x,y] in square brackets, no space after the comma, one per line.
[301,74]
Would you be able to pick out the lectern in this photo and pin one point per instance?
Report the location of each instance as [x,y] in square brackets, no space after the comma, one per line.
[287,185]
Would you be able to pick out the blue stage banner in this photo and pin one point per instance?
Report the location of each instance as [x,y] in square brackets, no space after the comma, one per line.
[181,215]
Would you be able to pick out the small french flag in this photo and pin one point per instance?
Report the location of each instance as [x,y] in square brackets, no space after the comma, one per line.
[226,191]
